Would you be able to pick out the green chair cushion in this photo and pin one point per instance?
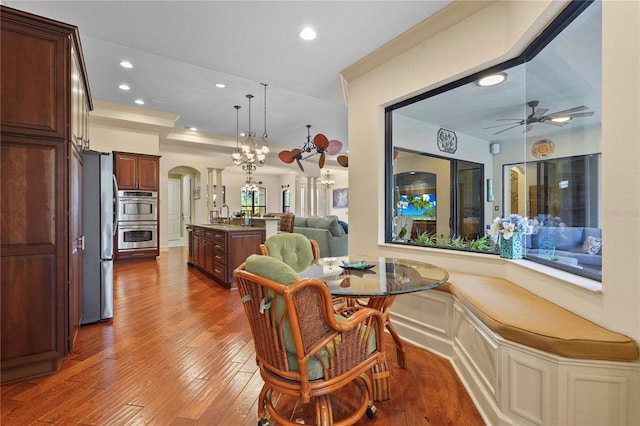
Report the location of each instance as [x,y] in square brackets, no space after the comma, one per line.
[271,268]
[278,271]
[293,249]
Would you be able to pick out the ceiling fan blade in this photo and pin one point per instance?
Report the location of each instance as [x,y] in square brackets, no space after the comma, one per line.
[508,128]
[343,160]
[539,113]
[505,124]
[321,160]
[296,153]
[334,147]
[567,111]
[582,114]
[299,164]
[286,156]
[321,141]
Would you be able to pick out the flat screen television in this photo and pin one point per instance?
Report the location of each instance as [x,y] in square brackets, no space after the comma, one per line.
[417,206]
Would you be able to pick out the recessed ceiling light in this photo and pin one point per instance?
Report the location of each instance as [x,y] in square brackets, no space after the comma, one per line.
[126,64]
[193,129]
[492,80]
[124,87]
[307,33]
[560,119]
[139,101]
[221,85]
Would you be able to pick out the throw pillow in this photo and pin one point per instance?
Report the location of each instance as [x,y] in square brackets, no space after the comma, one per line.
[344,225]
[592,245]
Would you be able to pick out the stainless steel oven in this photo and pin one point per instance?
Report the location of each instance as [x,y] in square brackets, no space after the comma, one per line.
[137,235]
[137,205]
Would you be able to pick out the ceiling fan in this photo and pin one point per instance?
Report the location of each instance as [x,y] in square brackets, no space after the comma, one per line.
[559,118]
[319,145]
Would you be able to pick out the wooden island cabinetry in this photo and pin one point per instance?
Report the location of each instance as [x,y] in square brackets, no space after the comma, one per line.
[44,114]
[217,250]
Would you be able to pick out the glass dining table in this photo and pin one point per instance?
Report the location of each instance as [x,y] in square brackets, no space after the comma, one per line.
[361,281]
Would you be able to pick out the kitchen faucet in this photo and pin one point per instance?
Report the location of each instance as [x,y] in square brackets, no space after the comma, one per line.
[228,216]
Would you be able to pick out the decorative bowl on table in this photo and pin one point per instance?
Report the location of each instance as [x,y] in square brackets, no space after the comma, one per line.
[361,264]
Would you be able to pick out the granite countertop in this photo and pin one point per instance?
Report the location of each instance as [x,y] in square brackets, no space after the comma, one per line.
[226,227]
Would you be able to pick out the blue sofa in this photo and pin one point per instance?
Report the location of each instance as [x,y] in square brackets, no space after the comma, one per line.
[330,235]
[581,243]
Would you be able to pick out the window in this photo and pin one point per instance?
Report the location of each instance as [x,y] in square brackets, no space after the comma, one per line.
[286,201]
[530,145]
[253,203]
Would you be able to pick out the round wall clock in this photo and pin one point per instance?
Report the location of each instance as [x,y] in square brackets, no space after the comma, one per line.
[543,148]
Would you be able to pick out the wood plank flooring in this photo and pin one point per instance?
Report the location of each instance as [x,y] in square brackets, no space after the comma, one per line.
[179,352]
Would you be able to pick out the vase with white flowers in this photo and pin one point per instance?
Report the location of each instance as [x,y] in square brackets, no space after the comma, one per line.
[510,230]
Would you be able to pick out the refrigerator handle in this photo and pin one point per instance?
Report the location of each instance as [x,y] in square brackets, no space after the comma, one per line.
[116,207]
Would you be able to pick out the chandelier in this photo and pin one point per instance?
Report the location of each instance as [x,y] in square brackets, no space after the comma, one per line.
[250,153]
[250,185]
[326,180]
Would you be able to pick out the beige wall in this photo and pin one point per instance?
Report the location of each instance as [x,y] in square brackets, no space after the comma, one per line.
[452,53]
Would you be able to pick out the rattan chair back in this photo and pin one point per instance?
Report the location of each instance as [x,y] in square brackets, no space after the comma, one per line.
[302,348]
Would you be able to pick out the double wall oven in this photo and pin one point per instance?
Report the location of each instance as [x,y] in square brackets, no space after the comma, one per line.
[137,221]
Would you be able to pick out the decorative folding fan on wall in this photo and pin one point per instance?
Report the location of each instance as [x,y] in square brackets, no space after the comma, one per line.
[559,118]
[320,145]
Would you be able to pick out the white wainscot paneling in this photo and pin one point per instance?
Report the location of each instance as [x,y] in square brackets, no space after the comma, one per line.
[599,396]
[477,348]
[424,319]
[530,384]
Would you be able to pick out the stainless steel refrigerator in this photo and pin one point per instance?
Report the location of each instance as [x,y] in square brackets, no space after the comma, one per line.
[99,190]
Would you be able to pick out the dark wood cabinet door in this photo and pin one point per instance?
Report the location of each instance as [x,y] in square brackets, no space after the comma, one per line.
[126,170]
[137,171]
[148,173]
[34,261]
[75,245]
[32,78]
[241,245]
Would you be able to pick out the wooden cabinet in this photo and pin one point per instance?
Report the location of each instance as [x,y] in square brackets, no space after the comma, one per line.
[218,251]
[43,118]
[137,171]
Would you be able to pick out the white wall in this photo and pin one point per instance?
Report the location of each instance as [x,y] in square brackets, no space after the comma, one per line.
[505,26]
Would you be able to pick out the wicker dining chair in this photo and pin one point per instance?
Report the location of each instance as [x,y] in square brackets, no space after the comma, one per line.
[296,250]
[286,222]
[303,349]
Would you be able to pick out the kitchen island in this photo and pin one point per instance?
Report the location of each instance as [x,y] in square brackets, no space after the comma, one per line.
[217,249]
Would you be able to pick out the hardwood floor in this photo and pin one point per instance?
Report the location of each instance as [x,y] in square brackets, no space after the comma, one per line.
[179,352]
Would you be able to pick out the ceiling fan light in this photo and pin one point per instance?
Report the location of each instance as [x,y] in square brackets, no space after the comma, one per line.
[492,80]
[561,119]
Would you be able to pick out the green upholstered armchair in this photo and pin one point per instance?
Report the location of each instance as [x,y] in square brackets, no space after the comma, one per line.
[303,348]
[295,250]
